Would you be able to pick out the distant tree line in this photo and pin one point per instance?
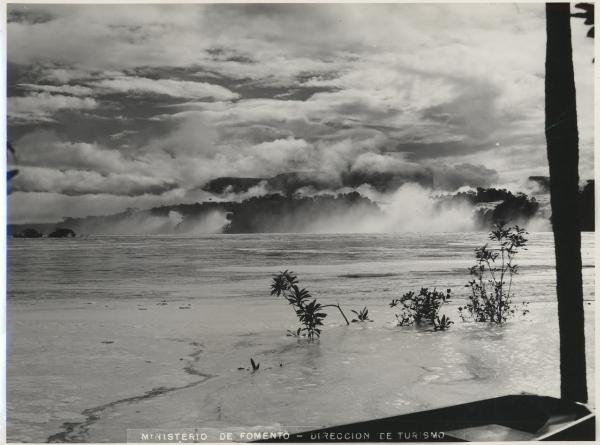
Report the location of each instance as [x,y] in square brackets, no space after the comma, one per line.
[278,213]
[60,232]
[274,212]
[519,207]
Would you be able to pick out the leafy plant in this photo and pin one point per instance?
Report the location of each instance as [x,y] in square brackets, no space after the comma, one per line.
[441,324]
[298,297]
[404,319]
[309,312]
[491,298]
[422,308]
[311,317]
[362,315]
[283,282]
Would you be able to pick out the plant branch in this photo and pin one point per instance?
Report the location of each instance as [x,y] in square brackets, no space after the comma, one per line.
[491,270]
[340,309]
[502,270]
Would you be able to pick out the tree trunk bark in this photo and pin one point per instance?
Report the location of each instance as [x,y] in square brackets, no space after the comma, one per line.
[563,158]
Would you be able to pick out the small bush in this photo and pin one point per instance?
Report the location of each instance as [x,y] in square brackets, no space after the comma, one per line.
[422,308]
[28,233]
[491,298]
[441,324]
[62,233]
[309,312]
[362,315]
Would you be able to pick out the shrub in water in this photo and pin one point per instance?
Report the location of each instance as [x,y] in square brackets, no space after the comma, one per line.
[441,324]
[491,298]
[309,312]
[422,308]
[362,315]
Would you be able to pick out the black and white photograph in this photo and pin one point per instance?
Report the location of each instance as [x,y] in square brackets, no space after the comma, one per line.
[300,222]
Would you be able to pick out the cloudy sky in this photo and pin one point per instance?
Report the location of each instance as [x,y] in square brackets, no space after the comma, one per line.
[112,106]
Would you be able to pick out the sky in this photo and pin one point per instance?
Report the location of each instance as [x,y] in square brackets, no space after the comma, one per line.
[113,107]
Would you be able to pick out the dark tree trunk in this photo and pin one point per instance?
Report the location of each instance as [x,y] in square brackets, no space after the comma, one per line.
[563,157]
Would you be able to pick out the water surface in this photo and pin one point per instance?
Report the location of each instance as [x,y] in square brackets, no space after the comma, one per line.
[151,332]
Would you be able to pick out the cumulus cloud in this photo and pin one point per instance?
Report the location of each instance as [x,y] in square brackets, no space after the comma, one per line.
[73,90]
[79,182]
[122,134]
[27,207]
[453,177]
[44,148]
[75,73]
[40,107]
[379,163]
[278,156]
[168,87]
[448,94]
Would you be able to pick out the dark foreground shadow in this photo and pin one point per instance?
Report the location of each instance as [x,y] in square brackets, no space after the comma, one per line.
[507,418]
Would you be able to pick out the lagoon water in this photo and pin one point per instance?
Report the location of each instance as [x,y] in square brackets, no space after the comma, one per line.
[114,333]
